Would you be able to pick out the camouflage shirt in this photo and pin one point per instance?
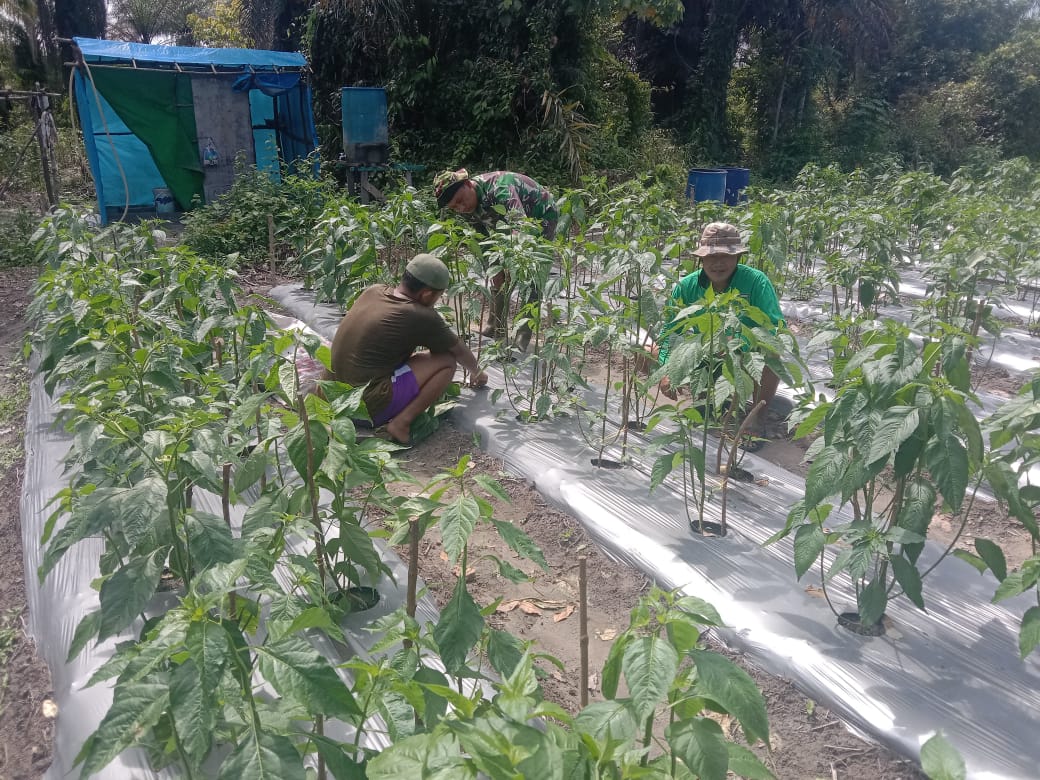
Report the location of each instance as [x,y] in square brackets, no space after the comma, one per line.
[519,195]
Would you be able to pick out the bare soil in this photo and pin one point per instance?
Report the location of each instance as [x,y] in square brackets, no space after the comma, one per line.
[25,684]
[808,741]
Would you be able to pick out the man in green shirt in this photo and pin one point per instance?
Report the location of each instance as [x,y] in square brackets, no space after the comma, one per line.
[376,342]
[720,251]
[478,198]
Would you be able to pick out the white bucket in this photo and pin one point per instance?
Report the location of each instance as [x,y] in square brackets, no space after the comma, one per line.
[164,203]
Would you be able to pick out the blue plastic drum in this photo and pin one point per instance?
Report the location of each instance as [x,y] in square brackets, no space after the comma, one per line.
[737,181]
[706,184]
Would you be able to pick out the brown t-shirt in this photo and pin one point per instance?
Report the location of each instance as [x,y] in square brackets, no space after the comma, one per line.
[378,334]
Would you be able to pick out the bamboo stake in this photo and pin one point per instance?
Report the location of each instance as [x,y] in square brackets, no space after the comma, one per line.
[583,623]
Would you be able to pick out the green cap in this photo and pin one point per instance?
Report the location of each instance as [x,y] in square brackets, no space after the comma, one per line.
[429,270]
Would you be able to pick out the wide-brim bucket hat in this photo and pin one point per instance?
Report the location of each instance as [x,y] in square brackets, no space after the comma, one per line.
[720,238]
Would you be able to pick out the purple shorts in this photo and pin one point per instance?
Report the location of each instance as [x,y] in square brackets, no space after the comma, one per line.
[405,388]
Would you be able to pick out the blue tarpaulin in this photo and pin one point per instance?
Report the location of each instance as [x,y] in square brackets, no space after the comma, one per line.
[119,51]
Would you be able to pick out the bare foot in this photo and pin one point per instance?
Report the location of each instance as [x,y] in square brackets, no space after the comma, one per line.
[399,431]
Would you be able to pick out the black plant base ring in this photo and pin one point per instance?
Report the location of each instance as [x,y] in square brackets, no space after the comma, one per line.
[357,598]
[606,463]
[707,529]
[851,621]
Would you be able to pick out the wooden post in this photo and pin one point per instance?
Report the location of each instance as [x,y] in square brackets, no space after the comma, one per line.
[270,243]
[583,628]
[413,566]
[40,104]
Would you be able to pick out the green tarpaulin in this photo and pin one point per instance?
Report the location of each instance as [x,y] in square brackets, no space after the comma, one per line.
[157,107]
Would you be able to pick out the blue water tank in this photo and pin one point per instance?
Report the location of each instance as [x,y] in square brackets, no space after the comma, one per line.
[706,184]
[737,181]
[366,138]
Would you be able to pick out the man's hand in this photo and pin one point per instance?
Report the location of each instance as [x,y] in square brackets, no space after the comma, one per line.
[480,379]
[665,386]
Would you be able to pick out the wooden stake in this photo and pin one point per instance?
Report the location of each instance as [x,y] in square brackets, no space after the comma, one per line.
[413,565]
[583,623]
[225,505]
[270,243]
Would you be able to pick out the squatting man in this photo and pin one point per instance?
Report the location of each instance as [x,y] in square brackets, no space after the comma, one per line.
[376,343]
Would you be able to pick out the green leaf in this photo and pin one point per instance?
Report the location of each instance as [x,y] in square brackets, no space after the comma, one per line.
[520,543]
[973,559]
[492,487]
[871,602]
[357,546]
[824,477]
[194,711]
[136,707]
[264,512]
[906,456]
[315,617]
[419,756]
[612,666]
[812,422]
[125,594]
[263,756]
[1017,582]
[607,720]
[209,540]
[244,414]
[947,461]
[1029,635]
[649,664]
[337,758]
[941,761]
[897,425]
[701,746]
[296,445]
[504,651]
[208,645]
[909,579]
[295,669]
[457,522]
[700,610]
[250,471]
[459,628]
[508,571]
[918,506]
[993,556]
[662,467]
[809,542]
[744,763]
[85,631]
[729,685]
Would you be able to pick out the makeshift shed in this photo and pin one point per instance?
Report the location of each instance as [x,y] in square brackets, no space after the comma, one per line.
[163,125]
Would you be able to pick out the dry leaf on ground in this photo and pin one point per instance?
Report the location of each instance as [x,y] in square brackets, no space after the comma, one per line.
[607,634]
[563,614]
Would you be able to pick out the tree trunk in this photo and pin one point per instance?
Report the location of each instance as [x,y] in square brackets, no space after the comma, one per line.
[719,48]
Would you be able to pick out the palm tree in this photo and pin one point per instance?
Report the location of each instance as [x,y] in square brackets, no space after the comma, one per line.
[26,36]
[144,21]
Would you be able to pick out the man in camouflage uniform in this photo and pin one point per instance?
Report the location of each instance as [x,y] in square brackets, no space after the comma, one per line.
[478,197]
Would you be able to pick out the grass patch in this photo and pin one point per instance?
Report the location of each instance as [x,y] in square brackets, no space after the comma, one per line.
[9,631]
[14,397]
